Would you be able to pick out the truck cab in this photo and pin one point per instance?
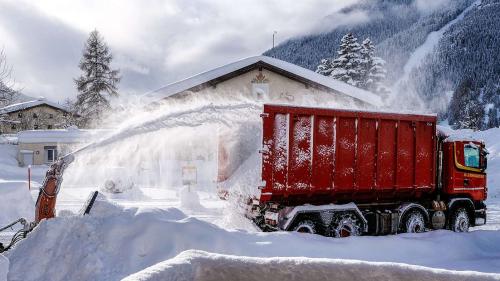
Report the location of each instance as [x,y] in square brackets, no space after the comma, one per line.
[465,169]
[464,177]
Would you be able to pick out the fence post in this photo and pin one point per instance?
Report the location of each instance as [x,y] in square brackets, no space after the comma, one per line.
[29,177]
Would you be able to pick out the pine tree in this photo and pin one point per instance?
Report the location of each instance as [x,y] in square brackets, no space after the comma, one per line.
[347,66]
[373,71]
[325,67]
[367,53]
[97,83]
[466,111]
[493,121]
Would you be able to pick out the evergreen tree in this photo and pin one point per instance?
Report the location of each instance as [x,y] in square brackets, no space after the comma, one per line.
[493,121]
[347,66]
[367,55]
[466,111]
[97,83]
[373,71]
[325,67]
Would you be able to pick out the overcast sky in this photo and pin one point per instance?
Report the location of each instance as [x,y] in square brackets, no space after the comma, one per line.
[154,42]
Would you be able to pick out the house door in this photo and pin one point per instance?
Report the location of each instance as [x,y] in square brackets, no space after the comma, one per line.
[27,158]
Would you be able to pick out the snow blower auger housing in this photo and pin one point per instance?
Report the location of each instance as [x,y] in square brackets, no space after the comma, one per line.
[45,207]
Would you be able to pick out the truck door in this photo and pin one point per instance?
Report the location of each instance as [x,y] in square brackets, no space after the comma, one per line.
[467,171]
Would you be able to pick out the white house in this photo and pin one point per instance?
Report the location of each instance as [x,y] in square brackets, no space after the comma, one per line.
[37,147]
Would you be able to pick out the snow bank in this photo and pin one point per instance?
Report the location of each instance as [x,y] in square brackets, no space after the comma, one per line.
[16,202]
[190,200]
[114,242]
[203,266]
[4,268]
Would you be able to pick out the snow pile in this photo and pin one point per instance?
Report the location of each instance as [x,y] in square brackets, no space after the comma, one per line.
[203,266]
[190,199]
[4,268]
[114,242]
[16,202]
[120,185]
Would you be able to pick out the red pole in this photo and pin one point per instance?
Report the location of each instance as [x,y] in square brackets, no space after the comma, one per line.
[29,177]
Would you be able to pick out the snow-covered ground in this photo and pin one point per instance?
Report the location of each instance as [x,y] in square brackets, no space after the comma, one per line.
[115,241]
[147,239]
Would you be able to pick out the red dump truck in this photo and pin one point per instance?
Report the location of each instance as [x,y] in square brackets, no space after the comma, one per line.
[344,173]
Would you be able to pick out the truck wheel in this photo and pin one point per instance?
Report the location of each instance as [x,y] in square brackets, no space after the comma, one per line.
[305,226]
[344,226]
[460,220]
[414,222]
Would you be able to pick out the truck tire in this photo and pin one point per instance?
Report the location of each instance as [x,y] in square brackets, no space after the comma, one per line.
[460,221]
[413,222]
[345,225]
[305,226]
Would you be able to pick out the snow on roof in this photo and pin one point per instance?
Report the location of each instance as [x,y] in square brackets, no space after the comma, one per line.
[28,104]
[71,135]
[207,76]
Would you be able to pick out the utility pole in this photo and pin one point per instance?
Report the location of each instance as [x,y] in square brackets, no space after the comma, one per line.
[274,34]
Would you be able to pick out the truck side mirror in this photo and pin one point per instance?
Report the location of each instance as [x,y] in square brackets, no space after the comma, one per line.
[484,159]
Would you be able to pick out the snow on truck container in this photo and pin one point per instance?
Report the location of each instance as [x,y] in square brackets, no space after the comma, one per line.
[332,156]
[341,172]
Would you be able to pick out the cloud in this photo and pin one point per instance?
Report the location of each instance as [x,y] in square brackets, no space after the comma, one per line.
[335,20]
[42,51]
[154,42]
[428,6]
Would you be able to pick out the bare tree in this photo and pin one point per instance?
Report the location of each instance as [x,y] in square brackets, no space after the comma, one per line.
[7,92]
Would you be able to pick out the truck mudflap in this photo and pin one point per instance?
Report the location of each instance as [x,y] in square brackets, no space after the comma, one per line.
[480,217]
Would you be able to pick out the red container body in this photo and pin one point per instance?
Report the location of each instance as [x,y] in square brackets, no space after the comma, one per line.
[322,156]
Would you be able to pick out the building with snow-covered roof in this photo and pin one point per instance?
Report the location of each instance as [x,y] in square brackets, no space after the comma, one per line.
[38,147]
[32,115]
[269,80]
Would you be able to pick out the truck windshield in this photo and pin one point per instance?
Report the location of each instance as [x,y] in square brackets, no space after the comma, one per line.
[471,156]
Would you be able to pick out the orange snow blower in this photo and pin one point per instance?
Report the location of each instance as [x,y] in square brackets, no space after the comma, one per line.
[46,202]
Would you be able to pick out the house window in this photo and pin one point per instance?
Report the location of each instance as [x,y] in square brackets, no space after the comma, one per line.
[35,115]
[35,127]
[50,154]
[13,127]
[49,127]
[51,116]
[19,115]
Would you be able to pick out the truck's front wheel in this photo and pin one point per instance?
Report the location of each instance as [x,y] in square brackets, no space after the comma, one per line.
[460,220]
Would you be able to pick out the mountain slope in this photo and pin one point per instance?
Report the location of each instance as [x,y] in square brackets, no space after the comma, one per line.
[468,47]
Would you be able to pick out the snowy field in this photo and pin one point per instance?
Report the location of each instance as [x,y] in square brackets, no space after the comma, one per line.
[164,234]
